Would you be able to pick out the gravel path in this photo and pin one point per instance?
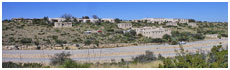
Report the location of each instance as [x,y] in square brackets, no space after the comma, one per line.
[107,54]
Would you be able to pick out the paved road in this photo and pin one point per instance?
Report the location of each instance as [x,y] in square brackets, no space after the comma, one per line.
[107,54]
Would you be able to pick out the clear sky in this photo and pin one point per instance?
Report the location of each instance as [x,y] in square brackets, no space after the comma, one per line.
[202,11]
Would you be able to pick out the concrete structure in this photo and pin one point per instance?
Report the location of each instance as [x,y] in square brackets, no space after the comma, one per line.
[124,25]
[62,24]
[192,24]
[171,24]
[152,32]
[161,20]
[26,20]
[87,20]
[111,20]
[92,31]
[211,36]
[126,31]
[56,19]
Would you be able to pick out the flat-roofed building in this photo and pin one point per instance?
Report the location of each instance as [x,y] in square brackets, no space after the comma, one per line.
[124,25]
[57,19]
[111,20]
[62,24]
[211,36]
[171,24]
[162,20]
[192,24]
[152,32]
[26,20]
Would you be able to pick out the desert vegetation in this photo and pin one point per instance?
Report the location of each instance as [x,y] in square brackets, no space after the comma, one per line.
[216,58]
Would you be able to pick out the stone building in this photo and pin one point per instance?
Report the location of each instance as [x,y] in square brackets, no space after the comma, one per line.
[211,36]
[171,24]
[124,25]
[192,24]
[162,20]
[111,20]
[26,20]
[62,24]
[57,19]
[87,20]
[152,32]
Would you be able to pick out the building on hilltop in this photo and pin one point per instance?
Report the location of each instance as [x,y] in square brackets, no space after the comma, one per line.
[211,36]
[62,24]
[19,20]
[56,19]
[171,24]
[111,20]
[81,20]
[162,20]
[192,24]
[152,32]
[124,25]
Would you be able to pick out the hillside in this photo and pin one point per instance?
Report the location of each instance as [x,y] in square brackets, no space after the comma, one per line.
[42,34]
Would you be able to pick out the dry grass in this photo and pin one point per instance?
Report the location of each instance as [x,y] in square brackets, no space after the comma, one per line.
[152,64]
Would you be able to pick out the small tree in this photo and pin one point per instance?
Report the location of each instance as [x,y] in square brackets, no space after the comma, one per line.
[60,58]
[87,42]
[219,36]
[167,37]
[95,17]
[117,20]
[174,42]
[85,17]
[149,56]
[26,40]
[133,32]
[67,17]
[191,20]
[46,19]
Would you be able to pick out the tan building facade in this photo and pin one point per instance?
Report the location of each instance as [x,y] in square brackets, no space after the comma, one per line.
[124,25]
[171,24]
[22,20]
[111,20]
[211,36]
[192,24]
[62,24]
[152,32]
[161,20]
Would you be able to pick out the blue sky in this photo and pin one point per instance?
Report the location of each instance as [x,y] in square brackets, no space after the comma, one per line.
[202,11]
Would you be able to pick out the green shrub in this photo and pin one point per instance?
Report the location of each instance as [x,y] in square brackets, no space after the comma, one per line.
[60,58]
[60,42]
[32,65]
[217,58]
[21,65]
[72,64]
[10,65]
[157,40]
[55,37]
[26,40]
[149,56]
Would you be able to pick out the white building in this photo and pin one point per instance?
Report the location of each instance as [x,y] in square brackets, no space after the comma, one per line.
[152,32]
[62,24]
[57,19]
[192,24]
[171,24]
[124,25]
[111,20]
[211,36]
[87,20]
[162,20]
[25,20]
